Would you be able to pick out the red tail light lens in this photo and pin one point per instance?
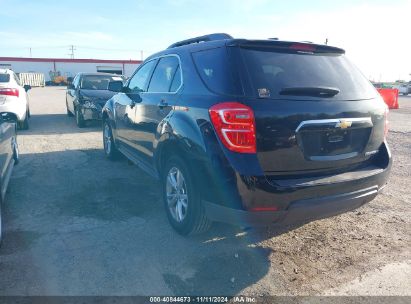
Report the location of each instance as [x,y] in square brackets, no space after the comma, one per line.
[235,126]
[386,122]
[303,47]
[9,92]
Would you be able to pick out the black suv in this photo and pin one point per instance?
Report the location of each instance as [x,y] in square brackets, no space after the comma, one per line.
[252,132]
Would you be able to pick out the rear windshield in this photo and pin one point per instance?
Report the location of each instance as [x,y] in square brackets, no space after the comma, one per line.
[4,77]
[98,82]
[272,73]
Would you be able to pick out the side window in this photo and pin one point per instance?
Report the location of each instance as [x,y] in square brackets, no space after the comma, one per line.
[164,74]
[215,69]
[138,82]
[176,81]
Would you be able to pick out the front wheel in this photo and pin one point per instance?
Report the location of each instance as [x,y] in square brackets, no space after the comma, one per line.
[79,118]
[182,199]
[110,149]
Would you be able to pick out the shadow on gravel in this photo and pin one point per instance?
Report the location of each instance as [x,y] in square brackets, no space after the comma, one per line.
[17,241]
[93,220]
[58,124]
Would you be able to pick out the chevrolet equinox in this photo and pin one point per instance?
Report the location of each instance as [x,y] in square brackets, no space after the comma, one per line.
[251,132]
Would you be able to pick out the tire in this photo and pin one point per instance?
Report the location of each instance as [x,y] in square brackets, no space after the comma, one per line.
[24,125]
[110,149]
[69,114]
[186,214]
[79,119]
[15,149]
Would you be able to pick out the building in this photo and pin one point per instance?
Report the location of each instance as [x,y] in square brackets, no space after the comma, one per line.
[68,67]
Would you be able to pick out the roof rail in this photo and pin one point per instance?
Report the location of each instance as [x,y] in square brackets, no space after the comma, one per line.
[211,37]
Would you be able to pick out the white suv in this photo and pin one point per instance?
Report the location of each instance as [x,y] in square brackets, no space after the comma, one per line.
[14,98]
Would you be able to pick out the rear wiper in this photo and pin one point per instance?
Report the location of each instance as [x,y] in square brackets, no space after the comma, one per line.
[310,91]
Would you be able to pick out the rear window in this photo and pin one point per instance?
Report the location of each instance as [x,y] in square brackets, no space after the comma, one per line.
[215,70]
[4,77]
[271,72]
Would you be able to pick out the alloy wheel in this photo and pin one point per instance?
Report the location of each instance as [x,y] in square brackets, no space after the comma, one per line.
[107,138]
[176,191]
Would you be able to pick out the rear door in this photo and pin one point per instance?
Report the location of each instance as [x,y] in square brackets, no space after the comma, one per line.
[156,104]
[314,110]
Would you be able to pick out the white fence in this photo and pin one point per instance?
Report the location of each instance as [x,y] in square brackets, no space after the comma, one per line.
[32,79]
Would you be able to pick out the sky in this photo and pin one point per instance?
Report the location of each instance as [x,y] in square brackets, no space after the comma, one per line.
[375,34]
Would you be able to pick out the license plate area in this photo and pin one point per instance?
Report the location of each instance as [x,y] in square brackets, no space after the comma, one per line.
[327,141]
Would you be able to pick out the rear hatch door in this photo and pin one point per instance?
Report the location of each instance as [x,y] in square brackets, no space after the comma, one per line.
[314,110]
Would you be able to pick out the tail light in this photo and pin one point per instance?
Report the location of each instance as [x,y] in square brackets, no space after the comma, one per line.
[386,122]
[9,92]
[235,126]
[303,47]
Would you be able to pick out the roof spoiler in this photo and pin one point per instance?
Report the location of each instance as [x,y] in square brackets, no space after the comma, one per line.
[211,37]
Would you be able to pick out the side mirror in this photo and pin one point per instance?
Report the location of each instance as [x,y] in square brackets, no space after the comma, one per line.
[70,79]
[115,86]
[9,117]
[27,87]
[70,86]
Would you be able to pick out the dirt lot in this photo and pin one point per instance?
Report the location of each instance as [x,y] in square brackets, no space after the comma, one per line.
[77,224]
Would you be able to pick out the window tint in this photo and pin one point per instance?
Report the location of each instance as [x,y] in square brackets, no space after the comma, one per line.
[271,72]
[176,81]
[215,70]
[138,82]
[96,82]
[4,77]
[163,74]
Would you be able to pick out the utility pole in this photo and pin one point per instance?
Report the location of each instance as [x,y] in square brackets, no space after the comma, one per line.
[142,55]
[326,41]
[72,49]
[30,53]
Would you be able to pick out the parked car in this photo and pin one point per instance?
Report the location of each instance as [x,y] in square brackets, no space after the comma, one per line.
[9,152]
[14,98]
[251,132]
[87,94]
[405,89]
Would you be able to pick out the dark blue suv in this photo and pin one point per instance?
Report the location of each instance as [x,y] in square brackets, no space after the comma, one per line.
[251,132]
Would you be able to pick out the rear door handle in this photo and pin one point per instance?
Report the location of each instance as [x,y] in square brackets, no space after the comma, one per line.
[162,104]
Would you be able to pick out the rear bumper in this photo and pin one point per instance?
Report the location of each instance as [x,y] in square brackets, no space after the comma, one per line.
[304,199]
[299,212]
[15,106]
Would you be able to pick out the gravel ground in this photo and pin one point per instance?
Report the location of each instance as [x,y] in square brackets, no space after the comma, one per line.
[77,224]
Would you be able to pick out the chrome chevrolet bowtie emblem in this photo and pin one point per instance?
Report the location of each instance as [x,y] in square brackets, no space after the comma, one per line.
[343,124]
